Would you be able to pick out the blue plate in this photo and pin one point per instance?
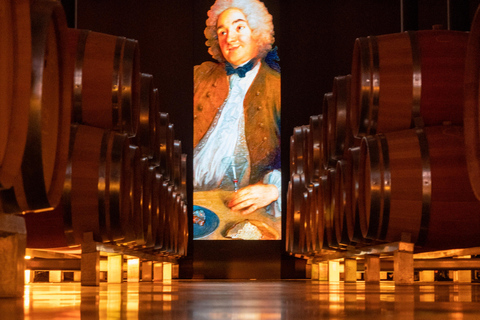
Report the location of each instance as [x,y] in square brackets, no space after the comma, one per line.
[211,223]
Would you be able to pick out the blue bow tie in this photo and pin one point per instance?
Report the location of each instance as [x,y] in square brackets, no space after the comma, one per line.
[241,71]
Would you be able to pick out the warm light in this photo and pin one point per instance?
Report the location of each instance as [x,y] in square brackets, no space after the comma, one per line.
[104,265]
[429,297]
[167,271]
[115,269]
[133,262]
[27,276]
[133,270]
[333,270]
[55,276]
[158,271]
[26,298]
[28,257]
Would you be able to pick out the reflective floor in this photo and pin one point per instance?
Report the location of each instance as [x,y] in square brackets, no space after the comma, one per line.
[245,300]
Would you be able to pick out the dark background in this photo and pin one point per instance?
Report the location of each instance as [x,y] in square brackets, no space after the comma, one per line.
[315,41]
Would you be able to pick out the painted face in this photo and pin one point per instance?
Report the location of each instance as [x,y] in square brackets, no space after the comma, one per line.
[235,37]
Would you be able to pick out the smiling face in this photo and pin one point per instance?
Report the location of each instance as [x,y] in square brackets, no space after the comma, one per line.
[235,37]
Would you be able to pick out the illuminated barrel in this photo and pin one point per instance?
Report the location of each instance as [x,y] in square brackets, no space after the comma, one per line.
[402,76]
[15,81]
[338,134]
[163,211]
[163,155]
[96,194]
[354,222]
[310,213]
[169,233]
[299,151]
[183,229]
[315,145]
[329,207]
[130,214]
[162,120]
[145,135]
[472,105]
[413,186]
[341,192]
[98,184]
[39,183]
[147,206]
[327,109]
[295,240]
[106,80]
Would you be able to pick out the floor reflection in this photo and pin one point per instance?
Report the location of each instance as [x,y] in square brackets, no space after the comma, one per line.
[245,300]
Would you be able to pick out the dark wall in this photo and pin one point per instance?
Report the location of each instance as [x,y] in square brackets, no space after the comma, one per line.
[315,41]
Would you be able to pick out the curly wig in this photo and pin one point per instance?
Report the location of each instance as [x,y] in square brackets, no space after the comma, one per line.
[259,20]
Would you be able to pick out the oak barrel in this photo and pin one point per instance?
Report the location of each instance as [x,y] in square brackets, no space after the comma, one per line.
[106,80]
[145,135]
[338,131]
[472,104]
[413,186]
[98,183]
[39,184]
[315,145]
[15,81]
[398,77]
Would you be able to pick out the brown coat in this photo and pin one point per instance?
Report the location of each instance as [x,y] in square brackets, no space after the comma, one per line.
[261,109]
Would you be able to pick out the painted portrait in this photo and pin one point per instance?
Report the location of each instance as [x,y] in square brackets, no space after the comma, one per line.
[236,140]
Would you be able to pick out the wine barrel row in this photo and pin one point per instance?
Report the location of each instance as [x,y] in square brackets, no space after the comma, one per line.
[84,144]
[392,142]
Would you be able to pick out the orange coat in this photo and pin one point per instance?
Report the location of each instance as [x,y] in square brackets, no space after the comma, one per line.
[261,109]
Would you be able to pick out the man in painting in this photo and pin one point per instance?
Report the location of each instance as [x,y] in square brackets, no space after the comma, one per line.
[237,106]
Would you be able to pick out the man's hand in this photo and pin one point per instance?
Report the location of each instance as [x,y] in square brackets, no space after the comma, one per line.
[253,197]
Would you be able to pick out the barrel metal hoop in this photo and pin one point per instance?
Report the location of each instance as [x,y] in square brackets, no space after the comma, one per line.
[386,186]
[67,191]
[375,187]
[375,91]
[325,148]
[115,186]
[32,170]
[177,175]
[102,186]
[416,76]
[116,83]
[354,158]
[315,185]
[316,123]
[303,245]
[78,76]
[330,212]
[343,87]
[365,83]
[128,74]
[183,172]
[297,197]
[299,160]
[426,187]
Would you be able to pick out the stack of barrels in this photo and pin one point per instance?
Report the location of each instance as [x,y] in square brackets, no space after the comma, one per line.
[85,148]
[386,159]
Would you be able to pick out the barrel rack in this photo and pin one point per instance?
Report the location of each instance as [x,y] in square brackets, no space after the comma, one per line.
[399,257]
[87,262]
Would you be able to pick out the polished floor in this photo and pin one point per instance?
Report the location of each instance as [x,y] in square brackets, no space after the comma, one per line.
[245,300]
